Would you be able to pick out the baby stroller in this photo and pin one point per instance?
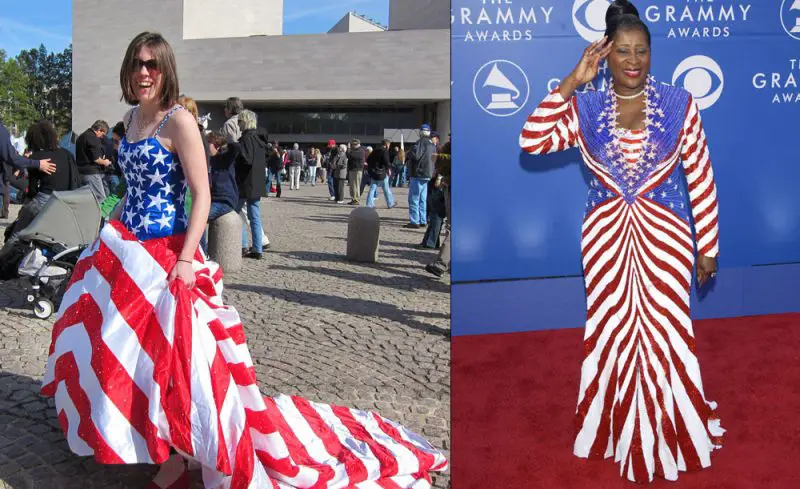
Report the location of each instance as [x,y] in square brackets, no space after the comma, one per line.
[66,225]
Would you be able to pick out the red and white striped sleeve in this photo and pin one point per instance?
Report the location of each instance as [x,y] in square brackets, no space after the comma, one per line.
[552,127]
[700,179]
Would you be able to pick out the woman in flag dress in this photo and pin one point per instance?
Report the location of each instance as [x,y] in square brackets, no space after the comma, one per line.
[641,398]
[148,365]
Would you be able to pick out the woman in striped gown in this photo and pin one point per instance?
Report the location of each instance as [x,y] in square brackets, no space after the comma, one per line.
[641,397]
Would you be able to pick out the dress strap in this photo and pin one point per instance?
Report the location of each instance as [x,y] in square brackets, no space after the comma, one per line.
[166,118]
[130,118]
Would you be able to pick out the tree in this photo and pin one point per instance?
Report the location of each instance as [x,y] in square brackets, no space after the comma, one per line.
[16,108]
[50,87]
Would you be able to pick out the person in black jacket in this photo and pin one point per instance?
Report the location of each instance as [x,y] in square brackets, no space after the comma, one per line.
[274,167]
[42,140]
[378,165]
[444,169]
[251,173]
[112,174]
[90,154]
[10,161]
[222,176]
[420,158]
[356,158]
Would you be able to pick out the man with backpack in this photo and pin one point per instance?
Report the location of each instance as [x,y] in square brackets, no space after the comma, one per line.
[421,159]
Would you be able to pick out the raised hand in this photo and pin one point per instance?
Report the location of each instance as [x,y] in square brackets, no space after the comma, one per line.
[588,66]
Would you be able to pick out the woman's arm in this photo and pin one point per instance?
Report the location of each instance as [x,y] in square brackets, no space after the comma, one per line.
[189,145]
[700,179]
[553,125]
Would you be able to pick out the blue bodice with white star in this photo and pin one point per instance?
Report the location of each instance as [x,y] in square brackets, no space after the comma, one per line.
[156,190]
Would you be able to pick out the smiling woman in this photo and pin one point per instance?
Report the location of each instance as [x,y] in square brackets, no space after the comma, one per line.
[147,363]
[641,397]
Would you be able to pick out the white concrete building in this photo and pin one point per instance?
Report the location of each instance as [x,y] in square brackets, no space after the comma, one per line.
[305,88]
[353,22]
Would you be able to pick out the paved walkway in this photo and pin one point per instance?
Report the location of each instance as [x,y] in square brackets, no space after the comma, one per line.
[365,336]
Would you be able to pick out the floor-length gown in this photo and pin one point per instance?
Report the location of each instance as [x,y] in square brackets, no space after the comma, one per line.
[138,368]
[641,397]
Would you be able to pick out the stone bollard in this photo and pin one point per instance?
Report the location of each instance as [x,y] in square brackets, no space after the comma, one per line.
[225,241]
[363,235]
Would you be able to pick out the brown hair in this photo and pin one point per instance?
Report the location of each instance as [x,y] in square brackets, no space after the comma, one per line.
[190,105]
[100,125]
[165,59]
[217,139]
[119,129]
[42,136]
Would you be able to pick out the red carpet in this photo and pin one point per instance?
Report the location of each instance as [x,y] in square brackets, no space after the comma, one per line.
[514,395]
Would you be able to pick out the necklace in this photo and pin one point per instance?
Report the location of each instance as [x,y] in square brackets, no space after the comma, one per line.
[630,97]
[145,126]
[630,175]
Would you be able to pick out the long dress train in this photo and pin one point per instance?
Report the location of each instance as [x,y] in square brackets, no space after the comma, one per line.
[138,367]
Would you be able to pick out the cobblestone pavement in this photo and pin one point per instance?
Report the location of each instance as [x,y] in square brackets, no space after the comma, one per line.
[369,336]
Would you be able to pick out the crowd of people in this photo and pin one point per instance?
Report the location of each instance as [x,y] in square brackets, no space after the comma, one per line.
[244,166]
[348,169]
[147,283]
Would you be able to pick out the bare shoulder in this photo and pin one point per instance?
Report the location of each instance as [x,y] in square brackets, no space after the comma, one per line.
[180,126]
[182,120]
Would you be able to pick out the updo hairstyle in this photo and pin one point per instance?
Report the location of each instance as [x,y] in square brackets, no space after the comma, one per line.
[623,16]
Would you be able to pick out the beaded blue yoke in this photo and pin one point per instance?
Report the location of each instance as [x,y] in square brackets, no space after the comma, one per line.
[669,112]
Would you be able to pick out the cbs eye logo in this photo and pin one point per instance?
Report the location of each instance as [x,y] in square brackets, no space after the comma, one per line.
[589,18]
[702,77]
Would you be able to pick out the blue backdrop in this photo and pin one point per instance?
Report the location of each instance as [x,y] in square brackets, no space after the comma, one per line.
[518,217]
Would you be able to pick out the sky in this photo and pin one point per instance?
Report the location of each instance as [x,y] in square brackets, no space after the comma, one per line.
[24,24]
[27,24]
[318,16]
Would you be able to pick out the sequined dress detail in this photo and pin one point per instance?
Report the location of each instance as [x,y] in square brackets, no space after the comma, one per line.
[641,398]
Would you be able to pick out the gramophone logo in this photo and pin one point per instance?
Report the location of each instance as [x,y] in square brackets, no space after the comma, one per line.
[501,88]
[790,17]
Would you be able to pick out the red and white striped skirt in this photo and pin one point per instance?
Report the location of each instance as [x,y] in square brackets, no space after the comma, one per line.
[641,397]
[137,367]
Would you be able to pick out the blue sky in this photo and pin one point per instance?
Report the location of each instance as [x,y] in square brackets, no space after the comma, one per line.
[318,16]
[26,24]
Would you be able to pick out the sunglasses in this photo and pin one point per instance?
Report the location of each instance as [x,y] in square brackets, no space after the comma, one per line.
[150,64]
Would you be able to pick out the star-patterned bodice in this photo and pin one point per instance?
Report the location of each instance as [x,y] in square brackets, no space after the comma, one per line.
[630,158]
[156,189]
[669,193]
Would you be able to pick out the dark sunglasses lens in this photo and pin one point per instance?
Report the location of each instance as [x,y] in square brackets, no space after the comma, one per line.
[150,64]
